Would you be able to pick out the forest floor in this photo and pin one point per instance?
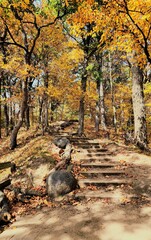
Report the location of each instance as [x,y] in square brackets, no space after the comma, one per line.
[76,219]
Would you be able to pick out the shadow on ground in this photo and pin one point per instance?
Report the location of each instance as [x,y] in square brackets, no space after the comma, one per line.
[93,220]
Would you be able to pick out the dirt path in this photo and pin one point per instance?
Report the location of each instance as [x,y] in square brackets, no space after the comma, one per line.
[99,219]
[94,220]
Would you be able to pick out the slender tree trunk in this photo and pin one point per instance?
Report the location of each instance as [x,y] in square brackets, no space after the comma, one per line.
[6,111]
[97,114]
[140,129]
[44,116]
[112,94]
[27,118]
[13,139]
[52,112]
[46,122]
[6,119]
[100,109]
[0,110]
[11,117]
[82,103]
[40,110]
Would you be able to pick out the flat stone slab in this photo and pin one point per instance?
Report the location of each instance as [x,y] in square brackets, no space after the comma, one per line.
[101,150]
[79,139]
[101,182]
[93,154]
[103,171]
[96,158]
[87,144]
[90,147]
[116,195]
[104,158]
[99,164]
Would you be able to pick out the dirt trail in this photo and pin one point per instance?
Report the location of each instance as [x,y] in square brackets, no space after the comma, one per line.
[95,219]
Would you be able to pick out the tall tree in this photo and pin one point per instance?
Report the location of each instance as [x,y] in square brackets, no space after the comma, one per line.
[140,128]
[88,28]
[29,19]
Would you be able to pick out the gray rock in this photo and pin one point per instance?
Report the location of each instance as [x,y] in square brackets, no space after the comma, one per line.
[1,196]
[61,142]
[60,183]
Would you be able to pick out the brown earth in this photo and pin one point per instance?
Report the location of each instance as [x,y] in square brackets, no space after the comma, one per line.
[99,219]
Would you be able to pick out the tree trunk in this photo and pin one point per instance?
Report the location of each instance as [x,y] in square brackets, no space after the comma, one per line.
[140,129]
[13,139]
[112,94]
[100,109]
[97,114]
[27,118]
[46,122]
[82,103]
[0,110]
[6,112]
[40,110]
[11,115]
[6,119]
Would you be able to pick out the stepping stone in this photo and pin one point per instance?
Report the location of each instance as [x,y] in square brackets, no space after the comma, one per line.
[87,144]
[102,182]
[99,164]
[98,154]
[115,195]
[90,147]
[76,139]
[92,159]
[98,172]
[103,157]
[97,150]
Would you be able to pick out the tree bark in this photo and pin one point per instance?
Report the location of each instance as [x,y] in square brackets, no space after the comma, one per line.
[13,139]
[11,116]
[40,110]
[100,109]
[27,118]
[6,119]
[82,103]
[112,94]
[140,128]
[6,109]
[0,110]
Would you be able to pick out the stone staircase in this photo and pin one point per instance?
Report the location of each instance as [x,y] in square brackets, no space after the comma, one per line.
[100,176]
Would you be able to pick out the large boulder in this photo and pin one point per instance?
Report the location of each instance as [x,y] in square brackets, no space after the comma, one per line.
[61,142]
[60,182]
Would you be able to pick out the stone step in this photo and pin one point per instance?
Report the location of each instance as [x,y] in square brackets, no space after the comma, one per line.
[99,164]
[96,159]
[91,147]
[101,150]
[117,195]
[61,135]
[87,144]
[102,182]
[98,154]
[78,139]
[100,172]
